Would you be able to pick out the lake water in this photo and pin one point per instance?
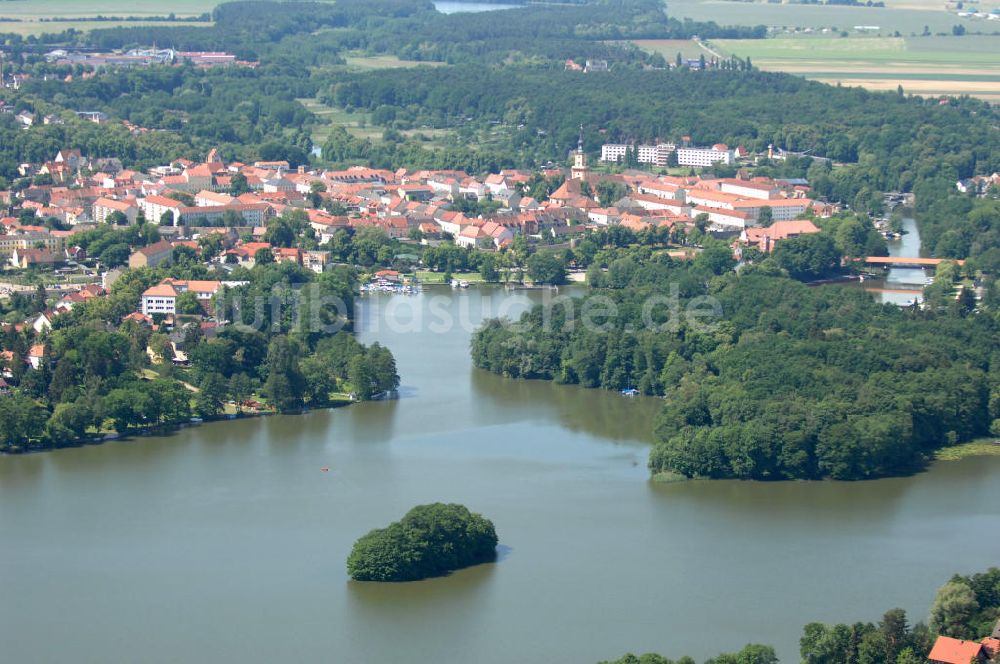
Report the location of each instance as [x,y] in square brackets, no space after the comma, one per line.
[226,542]
[457,7]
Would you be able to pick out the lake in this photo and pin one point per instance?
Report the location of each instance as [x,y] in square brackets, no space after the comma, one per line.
[458,7]
[226,542]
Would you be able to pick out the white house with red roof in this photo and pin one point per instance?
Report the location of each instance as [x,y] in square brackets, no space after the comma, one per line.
[162,298]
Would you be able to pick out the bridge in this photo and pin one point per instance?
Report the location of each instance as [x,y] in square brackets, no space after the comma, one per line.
[906,261]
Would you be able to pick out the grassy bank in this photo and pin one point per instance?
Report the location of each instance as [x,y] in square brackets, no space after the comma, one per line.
[979,447]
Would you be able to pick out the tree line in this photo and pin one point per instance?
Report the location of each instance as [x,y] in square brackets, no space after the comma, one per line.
[967,607]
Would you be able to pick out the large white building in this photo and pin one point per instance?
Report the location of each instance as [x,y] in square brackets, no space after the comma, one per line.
[657,154]
[614,151]
[702,157]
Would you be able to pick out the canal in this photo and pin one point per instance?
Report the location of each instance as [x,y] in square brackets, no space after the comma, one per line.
[226,542]
[902,285]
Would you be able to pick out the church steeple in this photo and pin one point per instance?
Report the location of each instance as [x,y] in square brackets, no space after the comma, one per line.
[580,170]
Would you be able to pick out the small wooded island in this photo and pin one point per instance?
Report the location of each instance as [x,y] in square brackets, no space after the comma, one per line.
[431,540]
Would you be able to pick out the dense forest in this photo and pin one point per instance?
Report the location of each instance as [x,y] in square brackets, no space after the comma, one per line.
[430,540]
[967,607]
[779,381]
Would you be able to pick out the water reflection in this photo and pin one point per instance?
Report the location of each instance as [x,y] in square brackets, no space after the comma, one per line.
[597,412]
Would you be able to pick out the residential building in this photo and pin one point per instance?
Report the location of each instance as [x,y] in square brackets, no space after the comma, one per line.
[657,154]
[614,152]
[947,650]
[105,207]
[207,198]
[316,260]
[36,355]
[152,256]
[162,298]
[702,157]
[725,220]
[25,258]
[253,214]
[154,207]
[765,238]
[760,188]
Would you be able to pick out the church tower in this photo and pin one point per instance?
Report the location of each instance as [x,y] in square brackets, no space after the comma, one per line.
[580,170]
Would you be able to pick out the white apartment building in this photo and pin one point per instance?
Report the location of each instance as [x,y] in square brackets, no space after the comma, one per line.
[702,157]
[614,152]
[645,154]
[749,189]
[658,154]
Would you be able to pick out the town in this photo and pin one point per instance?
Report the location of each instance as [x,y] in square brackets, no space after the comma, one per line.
[223,214]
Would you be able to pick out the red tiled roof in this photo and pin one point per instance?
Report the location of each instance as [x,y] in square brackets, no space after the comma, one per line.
[954,651]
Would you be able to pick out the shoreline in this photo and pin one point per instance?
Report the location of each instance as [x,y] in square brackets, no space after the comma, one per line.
[980,447]
[163,429]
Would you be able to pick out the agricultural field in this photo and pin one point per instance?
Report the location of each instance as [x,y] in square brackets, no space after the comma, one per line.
[669,48]
[34,17]
[922,65]
[26,28]
[908,17]
[29,10]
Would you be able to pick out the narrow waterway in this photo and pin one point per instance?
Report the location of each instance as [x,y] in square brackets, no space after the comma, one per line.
[226,542]
[904,285]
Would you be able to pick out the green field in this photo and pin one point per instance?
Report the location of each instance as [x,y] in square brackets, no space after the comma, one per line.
[356,123]
[922,65]
[905,16]
[370,62]
[359,124]
[669,48]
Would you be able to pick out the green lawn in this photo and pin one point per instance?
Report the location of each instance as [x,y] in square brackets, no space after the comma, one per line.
[428,277]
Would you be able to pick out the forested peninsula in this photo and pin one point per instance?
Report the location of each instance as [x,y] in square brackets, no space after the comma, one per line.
[790,382]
